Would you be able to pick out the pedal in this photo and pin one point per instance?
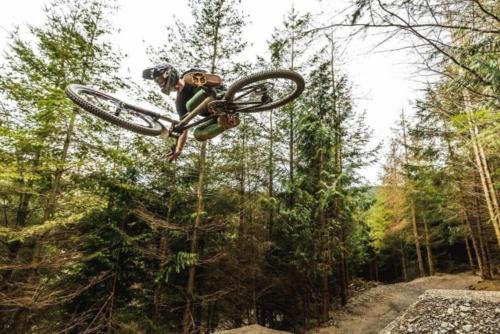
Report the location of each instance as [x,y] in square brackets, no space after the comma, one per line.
[200,79]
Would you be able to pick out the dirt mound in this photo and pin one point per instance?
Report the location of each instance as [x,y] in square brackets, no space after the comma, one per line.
[252,329]
[489,285]
[450,311]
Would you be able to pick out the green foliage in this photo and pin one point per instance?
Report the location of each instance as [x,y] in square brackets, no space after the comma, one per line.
[97,230]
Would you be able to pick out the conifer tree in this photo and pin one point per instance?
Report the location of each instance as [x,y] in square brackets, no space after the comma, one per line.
[288,48]
[69,47]
[211,42]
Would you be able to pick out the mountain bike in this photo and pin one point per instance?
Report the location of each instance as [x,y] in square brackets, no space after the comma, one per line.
[254,93]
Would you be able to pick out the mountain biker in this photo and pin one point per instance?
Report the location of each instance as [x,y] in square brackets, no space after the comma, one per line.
[168,78]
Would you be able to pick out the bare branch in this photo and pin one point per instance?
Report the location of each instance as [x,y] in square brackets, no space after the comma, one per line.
[449,56]
[484,10]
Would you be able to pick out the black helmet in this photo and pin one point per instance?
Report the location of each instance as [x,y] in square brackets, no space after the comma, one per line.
[165,75]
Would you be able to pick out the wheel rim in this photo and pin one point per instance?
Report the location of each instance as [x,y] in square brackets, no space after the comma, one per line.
[117,108]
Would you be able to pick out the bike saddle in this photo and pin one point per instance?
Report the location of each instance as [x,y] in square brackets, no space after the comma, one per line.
[201,79]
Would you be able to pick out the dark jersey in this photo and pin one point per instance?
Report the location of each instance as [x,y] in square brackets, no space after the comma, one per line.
[182,98]
[185,95]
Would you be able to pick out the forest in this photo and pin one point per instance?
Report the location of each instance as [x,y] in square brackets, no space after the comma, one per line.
[271,223]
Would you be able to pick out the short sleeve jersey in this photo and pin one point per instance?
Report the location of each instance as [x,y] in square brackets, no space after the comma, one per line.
[185,95]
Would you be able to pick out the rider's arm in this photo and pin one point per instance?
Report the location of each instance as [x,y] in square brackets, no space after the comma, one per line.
[179,146]
[181,142]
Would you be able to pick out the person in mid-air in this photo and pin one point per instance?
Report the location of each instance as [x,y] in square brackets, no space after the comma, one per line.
[168,78]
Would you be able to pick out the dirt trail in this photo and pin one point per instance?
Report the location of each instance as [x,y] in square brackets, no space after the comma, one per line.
[371,311]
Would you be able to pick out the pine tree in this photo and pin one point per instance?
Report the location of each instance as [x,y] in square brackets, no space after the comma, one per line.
[42,128]
[211,42]
[288,47]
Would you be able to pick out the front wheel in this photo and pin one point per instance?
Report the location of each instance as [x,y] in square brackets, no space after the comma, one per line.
[115,111]
[264,91]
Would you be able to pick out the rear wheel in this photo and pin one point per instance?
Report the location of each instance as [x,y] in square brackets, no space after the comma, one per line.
[115,111]
[264,91]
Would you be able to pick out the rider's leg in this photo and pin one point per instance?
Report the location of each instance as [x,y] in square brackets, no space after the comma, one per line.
[216,127]
[208,130]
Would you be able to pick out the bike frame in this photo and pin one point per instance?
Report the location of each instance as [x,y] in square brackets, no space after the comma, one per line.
[183,124]
[179,126]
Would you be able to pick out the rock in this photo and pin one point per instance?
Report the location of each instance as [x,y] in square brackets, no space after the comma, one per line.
[467,328]
[450,311]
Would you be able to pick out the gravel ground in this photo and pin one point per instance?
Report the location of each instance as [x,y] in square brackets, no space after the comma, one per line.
[373,310]
[450,311]
[435,312]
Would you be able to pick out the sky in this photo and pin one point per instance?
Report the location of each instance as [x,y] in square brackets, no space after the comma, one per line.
[383,82]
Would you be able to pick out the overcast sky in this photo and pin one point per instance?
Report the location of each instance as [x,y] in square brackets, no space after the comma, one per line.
[383,82]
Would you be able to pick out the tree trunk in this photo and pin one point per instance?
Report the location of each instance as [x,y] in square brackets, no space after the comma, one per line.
[428,247]
[109,323]
[403,263]
[416,237]
[253,315]
[325,293]
[270,190]
[484,259]
[343,269]
[469,256]
[241,177]
[481,162]
[482,169]
[158,290]
[484,251]
[162,255]
[291,143]
[22,210]
[491,187]
[25,198]
[60,169]
[473,236]
[463,209]
[186,320]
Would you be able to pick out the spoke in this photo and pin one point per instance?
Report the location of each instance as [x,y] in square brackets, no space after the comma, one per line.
[246,103]
[246,93]
[258,90]
[119,109]
[259,94]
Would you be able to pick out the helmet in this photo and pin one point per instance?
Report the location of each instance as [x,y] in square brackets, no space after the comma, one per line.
[165,75]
